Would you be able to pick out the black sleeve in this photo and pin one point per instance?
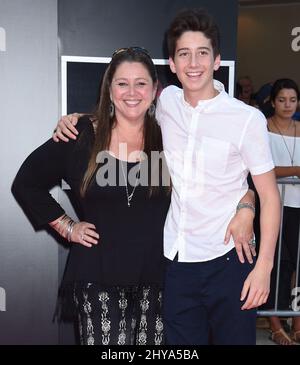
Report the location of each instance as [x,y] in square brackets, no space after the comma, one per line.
[43,169]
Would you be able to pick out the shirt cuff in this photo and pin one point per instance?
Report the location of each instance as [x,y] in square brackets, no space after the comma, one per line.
[261,169]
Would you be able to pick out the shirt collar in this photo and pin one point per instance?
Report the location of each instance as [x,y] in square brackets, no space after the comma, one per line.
[209,102]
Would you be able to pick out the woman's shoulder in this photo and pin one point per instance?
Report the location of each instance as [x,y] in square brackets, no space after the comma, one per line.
[271,128]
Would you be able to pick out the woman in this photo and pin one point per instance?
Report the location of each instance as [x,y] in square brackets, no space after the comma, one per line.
[284,133]
[116,269]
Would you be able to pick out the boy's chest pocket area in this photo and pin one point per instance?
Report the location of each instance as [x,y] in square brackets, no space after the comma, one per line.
[214,155]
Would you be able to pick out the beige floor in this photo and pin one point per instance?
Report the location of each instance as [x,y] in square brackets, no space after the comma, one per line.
[263,332]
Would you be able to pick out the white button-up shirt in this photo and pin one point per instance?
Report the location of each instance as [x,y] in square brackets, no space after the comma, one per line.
[209,151]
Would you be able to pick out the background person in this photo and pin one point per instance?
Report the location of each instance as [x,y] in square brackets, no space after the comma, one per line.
[246,90]
[284,134]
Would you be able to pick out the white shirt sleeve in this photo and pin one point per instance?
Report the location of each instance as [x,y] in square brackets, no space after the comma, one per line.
[254,147]
[158,113]
[164,102]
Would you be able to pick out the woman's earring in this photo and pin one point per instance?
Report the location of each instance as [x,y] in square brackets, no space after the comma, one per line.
[151,110]
[111,110]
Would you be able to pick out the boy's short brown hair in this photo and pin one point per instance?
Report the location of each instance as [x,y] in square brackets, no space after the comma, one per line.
[195,20]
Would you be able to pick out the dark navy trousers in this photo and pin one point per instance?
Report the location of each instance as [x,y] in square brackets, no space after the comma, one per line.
[202,303]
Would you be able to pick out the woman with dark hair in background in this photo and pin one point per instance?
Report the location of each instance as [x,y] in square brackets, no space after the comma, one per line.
[284,133]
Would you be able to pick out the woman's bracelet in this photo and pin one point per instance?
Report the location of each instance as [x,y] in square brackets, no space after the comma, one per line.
[246,205]
[62,220]
[70,227]
[65,226]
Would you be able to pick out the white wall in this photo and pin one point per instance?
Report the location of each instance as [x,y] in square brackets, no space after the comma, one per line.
[265,43]
[28,112]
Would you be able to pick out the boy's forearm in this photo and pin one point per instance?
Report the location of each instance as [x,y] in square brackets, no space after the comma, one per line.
[249,197]
[269,223]
[247,201]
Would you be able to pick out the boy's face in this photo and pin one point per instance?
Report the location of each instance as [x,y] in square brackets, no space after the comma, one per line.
[194,64]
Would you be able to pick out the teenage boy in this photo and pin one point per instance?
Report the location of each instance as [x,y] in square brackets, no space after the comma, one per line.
[211,142]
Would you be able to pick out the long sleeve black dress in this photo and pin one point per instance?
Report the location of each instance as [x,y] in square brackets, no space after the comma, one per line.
[129,254]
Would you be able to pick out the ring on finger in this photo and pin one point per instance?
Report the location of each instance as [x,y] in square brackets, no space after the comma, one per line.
[252,242]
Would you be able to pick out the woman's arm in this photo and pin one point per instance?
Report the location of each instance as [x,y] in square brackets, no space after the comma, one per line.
[43,169]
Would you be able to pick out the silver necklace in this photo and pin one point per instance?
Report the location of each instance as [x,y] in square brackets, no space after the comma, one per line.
[129,196]
[286,146]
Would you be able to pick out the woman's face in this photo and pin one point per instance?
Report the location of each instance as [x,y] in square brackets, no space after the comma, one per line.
[132,91]
[285,103]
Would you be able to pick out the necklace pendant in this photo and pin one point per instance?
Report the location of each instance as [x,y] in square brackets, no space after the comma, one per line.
[128,204]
